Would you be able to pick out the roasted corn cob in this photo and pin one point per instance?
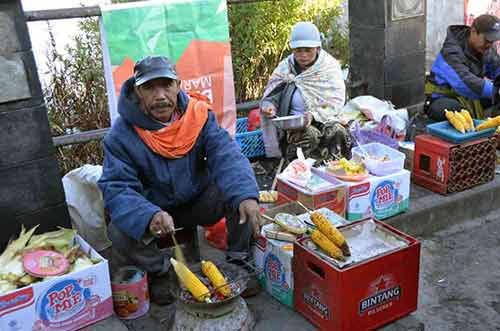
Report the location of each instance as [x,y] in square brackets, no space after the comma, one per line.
[468,118]
[454,121]
[211,271]
[193,284]
[490,123]
[330,232]
[325,244]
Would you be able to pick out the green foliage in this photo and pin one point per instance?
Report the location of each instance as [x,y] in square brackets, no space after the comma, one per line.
[75,95]
[260,38]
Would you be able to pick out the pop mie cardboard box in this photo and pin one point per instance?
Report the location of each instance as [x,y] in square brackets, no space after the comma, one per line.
[378,197]
[68,302]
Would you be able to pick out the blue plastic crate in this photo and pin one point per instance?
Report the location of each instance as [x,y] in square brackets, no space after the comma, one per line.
[445,131]
[251,143]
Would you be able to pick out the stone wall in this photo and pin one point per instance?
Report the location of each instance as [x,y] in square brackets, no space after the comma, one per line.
[30,185]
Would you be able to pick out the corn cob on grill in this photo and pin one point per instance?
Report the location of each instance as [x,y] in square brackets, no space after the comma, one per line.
[331,232]
[193,284]
[211,271]
[325,244]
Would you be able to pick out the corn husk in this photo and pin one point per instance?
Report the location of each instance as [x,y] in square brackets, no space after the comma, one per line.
[81,262]
[13,269]
[27,280]
[60,240]
[6,286]
[15,246]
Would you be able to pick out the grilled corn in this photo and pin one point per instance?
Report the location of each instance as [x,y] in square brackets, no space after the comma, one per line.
[490,123]
[331,232]
[326,245]
[468,118]
[193,284]
[211,271]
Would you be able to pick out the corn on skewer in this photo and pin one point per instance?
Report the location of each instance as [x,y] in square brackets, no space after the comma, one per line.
[331,232]
[193,284]
[211,271]
[326,245]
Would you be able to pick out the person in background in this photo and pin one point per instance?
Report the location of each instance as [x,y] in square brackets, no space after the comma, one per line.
[168,165]
[308,82]
[463,74]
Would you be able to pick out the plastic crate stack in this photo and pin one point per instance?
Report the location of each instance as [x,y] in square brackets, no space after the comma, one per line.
[250,142]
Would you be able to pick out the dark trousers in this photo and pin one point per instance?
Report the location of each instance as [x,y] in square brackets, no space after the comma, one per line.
[206,209]
[438,106]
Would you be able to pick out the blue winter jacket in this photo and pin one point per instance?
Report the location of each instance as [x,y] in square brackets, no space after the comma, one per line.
[457,67]
[136,182]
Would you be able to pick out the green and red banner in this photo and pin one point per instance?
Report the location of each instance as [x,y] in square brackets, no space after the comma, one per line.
[194,34]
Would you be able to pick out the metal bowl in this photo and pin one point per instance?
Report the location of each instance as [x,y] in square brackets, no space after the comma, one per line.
[290,122]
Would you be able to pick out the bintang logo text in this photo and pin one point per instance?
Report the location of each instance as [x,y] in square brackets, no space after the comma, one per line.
[381,300]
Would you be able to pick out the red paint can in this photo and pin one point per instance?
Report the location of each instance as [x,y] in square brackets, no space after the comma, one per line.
[130,292]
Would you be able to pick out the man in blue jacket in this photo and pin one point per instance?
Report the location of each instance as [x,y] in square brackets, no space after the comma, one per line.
[463,73]
[168,164]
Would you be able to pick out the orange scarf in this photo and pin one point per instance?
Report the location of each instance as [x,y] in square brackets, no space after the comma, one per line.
[177,139]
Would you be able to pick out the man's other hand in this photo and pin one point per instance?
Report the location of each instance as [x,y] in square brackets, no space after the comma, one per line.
[249,212]
[161,224]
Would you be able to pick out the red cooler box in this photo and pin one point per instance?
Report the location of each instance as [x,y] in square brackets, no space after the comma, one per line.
[363,296]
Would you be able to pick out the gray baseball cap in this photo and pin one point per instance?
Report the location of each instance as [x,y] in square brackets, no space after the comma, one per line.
[305,34]
[152,67]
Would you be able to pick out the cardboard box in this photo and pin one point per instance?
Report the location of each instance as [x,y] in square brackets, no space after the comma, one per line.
[68,302]
[363,296]
[378,197]
[332,197]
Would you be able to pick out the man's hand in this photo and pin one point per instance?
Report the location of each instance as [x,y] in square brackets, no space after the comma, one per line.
[249,212]
[161,224]
[269,110]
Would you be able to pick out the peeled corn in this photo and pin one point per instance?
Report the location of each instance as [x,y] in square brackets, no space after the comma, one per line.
[462,119]
[211,271]
[454,121]
[490,123]
[331,232]
[325,244]
[193,284]
[468,118]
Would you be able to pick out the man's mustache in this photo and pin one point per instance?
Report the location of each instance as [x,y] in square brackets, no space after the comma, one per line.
[162,104]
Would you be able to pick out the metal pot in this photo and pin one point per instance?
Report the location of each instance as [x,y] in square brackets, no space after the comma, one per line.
[291,122]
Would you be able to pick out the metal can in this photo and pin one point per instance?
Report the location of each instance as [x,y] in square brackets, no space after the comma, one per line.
[130,292]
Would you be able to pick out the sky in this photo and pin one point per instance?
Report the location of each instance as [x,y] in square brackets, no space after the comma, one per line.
[63,30]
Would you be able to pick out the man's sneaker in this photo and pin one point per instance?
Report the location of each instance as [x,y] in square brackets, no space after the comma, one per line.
[159,290]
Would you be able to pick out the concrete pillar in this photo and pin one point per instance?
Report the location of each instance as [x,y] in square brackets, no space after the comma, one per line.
[31,190]
[387,41]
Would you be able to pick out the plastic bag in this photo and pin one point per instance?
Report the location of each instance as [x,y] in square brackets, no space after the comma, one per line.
[299,170]
[364,136]
[86,205]
[216,235]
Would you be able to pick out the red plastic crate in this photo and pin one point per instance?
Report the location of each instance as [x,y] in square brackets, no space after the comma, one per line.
[334,199]
[364,296]
[444,167]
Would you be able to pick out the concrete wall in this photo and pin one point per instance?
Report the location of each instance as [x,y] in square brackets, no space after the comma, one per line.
[440,14]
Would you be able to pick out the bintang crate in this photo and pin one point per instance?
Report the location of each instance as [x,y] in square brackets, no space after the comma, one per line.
[363,296]
[445,167]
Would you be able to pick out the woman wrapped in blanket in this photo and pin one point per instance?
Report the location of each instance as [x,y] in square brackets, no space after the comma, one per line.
[308,82]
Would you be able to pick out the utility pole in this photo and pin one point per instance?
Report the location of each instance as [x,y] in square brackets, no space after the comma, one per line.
[31,190]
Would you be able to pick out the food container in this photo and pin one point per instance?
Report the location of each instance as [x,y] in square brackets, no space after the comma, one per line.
[289,122]
[379,159]
[130,293]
